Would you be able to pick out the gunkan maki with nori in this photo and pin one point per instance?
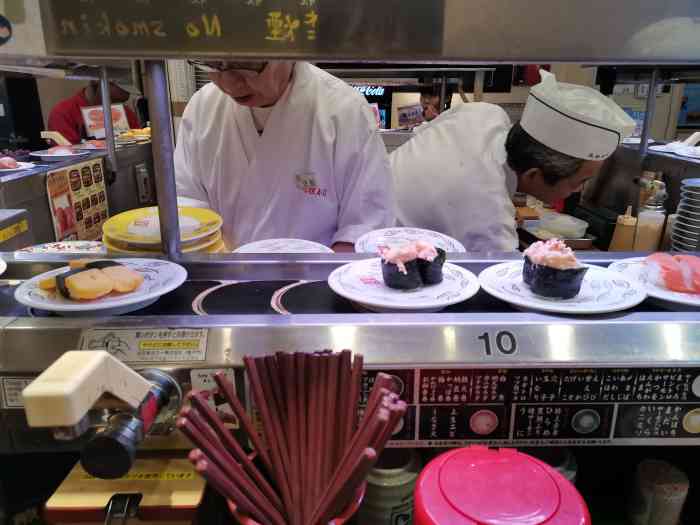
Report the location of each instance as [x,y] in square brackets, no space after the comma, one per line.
[551,270]
[412,265]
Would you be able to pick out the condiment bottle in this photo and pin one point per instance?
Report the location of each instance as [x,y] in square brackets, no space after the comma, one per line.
[623,237]
[389,495]
[650,223]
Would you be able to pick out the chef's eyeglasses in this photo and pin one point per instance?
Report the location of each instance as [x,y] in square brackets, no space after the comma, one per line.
[219,66]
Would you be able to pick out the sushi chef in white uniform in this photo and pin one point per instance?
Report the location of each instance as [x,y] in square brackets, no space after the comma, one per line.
[284,150]
[459,173]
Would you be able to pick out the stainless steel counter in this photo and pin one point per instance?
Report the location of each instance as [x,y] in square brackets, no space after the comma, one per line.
[608,365]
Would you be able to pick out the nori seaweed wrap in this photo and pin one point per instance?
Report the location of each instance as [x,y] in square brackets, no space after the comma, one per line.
[395,278]
[431,271]
[99,265]
[553,282]
[409,267]
[61,282]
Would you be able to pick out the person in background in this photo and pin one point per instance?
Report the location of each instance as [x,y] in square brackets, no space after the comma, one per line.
[459,173]
[430,101]
[66,117]
[284,150]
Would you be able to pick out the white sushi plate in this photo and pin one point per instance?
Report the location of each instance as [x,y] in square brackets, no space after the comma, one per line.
[362,282]
[603,291]
[160,277]
[283,246]
[636,269]
[21,166]
[50,157]
[65,247]
[3,266]
[370,242]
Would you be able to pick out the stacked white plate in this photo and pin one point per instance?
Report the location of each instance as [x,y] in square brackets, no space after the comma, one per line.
[686,230]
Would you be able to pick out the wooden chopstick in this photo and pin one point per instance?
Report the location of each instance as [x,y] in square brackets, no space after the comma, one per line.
[277,384]
[271,436]
[315,423]
[231,469]
[354,400]
[350,479]
[202,408]
[364,436]
[344,410]
[302,367]
[326,425]
[332,395]
[314,449]
[218,479]
[287,368]
[227,390]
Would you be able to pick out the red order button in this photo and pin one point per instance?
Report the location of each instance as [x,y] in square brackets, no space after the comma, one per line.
[481,486]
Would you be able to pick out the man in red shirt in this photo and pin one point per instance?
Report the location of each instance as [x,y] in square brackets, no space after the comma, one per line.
[67,118]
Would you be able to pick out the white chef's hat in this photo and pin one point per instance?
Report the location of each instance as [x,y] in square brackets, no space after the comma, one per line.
[575,120]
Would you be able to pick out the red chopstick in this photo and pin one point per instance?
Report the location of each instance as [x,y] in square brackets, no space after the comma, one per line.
[287,368]
[364,436]
[227,390]
[232,470]
[350,479]
[343,403]
[326,425]
[200,405]
[303,403]
[229,489]
[354,400]
[277,384]
[271,437]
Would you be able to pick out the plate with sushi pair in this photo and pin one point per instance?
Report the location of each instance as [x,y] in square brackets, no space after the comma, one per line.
[414,277]
[375,240]
[99,287]
[666,277]
[550,279]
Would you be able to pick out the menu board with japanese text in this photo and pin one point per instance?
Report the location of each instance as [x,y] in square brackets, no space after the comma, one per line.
[225,27]
[78,201]
[557,406]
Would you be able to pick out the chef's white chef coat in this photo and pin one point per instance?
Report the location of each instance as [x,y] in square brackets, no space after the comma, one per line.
[318,171]
[452,177]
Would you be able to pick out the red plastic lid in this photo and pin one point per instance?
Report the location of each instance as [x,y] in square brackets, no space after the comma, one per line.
[499,487]
[482,486]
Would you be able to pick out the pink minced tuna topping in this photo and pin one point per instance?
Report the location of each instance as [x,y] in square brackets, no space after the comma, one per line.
[400,255]
[553,253]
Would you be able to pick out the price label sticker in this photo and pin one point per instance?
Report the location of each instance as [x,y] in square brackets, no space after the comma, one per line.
[12,391]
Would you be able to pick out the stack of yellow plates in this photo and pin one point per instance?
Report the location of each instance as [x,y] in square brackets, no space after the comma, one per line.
[137,232]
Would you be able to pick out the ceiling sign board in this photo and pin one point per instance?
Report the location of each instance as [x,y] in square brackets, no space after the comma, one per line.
[363,29]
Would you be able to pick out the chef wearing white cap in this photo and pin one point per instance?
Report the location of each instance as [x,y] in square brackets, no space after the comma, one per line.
[459,173]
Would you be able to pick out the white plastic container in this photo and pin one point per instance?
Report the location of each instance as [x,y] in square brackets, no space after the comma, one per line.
[564,226]
[389,496]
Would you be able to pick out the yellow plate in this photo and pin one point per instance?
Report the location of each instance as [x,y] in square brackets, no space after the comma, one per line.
[191,246]
[206,245]
[219,247]
[141,227]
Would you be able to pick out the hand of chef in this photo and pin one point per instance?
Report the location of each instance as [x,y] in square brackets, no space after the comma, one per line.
[343,247]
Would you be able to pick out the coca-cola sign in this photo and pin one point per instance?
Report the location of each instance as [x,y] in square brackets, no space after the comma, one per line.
[371,91]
